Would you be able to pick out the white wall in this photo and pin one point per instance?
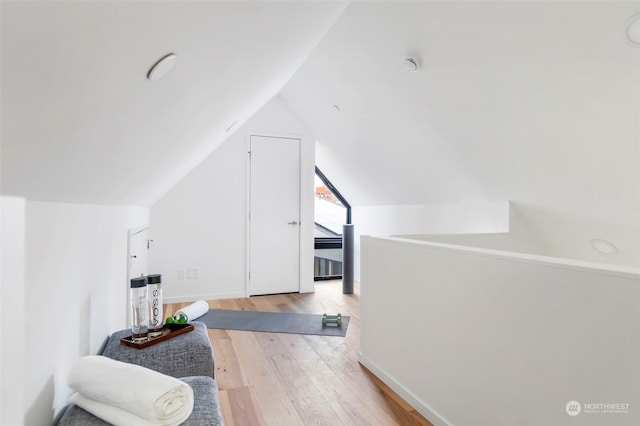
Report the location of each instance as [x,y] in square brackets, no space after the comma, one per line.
[481,337]
[201,223]
[130,139]
[75,294]
[525,236]
[520,237]
[428,219]
[12,312]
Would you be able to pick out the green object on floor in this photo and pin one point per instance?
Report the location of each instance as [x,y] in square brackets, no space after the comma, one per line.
[332,319]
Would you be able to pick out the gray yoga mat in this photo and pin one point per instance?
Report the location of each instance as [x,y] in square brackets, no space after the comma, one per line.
[272,322]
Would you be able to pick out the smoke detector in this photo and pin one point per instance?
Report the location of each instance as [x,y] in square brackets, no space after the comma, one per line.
[411,64]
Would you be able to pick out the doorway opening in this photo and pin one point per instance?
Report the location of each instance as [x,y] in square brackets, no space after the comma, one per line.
[331,211]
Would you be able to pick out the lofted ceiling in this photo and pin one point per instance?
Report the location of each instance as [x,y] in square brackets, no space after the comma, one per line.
[82,124]
[546,93]
[533,102]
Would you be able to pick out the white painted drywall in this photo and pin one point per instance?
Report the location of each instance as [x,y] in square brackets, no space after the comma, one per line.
[520,237]
[498,110]
[105,134]
[75,293]
[524,236]
[481,337]
[13,314]
[477,217]
[201,223]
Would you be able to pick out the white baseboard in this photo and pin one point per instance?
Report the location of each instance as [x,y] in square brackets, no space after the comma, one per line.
[193,298]
[220,296]
[420,406]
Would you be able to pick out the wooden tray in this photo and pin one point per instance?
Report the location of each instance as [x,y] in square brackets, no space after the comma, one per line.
[166,335]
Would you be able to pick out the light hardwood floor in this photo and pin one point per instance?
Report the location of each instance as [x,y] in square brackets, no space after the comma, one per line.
[290,379]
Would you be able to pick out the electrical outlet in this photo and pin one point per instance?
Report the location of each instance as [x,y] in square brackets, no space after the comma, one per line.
[181,273]
[192,273]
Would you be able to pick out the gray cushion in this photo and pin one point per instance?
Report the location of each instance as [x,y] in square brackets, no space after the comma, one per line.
[206,408]
[189,354]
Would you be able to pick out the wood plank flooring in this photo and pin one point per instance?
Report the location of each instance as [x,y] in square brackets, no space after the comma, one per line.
[291,379]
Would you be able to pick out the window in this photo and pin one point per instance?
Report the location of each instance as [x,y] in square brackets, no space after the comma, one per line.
[331,212]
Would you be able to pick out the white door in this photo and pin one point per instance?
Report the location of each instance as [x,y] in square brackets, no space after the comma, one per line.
[138,252]
[138,258]
[274,215]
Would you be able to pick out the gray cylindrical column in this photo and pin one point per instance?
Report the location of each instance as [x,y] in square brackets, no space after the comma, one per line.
[347,259]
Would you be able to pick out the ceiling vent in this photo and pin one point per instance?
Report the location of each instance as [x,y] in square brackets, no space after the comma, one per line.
[604,246]
[163,66]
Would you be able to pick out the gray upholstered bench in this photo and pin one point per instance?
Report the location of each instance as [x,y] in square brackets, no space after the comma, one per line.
[189,354]
[206,410]
[188,357]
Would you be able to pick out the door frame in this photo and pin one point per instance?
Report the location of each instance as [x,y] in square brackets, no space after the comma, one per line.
[303,222]
[130,233]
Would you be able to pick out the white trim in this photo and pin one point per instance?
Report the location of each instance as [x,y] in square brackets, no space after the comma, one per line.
[300,224]
[137,229]
[548,261]
[422,407]
[130,233]
[193,298]
[277,135]
[308,289]
[247,245]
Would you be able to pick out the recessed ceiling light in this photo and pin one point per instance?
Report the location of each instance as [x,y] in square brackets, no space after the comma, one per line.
[603,246]
[162,67]
[411,64]
[633,30]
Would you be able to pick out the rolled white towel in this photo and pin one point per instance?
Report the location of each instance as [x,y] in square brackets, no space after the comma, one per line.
[114,415]
[194,310]
[127,394]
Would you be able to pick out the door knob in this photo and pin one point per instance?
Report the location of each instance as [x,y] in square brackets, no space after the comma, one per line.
[293,223]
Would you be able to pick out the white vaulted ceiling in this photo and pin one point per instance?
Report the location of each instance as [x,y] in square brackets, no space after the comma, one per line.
[544,93]
[80,121]
[533,102]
